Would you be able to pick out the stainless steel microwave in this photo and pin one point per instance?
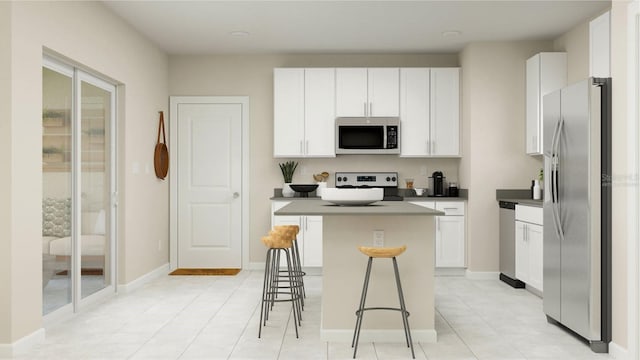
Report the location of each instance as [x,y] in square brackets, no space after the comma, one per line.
[361,135]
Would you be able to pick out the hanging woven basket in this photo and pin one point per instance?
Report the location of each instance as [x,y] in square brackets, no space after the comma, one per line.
[161,153]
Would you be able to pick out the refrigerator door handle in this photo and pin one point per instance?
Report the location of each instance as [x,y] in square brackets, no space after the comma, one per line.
[556,204]
[552,155]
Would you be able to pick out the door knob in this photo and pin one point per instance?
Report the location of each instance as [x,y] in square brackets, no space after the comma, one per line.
[236,195]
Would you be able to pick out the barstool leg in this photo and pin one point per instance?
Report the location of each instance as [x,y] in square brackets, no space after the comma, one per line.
[405,313]
[264,304]
[298,269]
[294,285]
[294,296]
[360,312]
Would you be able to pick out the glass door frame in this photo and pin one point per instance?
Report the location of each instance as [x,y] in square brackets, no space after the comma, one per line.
[79,76]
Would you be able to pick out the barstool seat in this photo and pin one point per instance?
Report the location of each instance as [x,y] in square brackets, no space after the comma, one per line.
[381,252]
[293,230]
[277,242]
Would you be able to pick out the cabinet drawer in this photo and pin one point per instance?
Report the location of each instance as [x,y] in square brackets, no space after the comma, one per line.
[450,207]
[530,214]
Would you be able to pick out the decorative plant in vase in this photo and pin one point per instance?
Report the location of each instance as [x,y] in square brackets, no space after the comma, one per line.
[288,168]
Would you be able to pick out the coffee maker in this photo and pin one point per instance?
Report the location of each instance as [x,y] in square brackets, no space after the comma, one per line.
[437,184]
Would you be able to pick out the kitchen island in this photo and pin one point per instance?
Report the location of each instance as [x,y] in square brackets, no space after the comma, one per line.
[347,227]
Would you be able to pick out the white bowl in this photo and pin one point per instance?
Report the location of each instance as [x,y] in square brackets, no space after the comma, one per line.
[352,196]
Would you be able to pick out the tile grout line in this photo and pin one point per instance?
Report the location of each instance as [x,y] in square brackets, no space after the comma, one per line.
[457,334]
[246,326]
[168,321]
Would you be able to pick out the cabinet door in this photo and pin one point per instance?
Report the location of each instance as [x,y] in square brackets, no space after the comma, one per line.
[532,127]
[450,241]
[312,247]
[535,242]
[445,111]
[414,111]
[383,92]
[319,112]
[351,92]
[288,112]
[600,46]
[546,72]
[522,252]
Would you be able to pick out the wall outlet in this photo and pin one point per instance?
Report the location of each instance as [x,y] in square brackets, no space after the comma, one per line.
[378,238]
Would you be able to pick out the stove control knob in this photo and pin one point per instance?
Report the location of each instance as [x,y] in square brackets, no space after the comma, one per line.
[345,178]
[388,178]
[393,178]
[339,178]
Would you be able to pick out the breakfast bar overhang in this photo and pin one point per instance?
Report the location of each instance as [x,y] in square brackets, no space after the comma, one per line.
[347,227]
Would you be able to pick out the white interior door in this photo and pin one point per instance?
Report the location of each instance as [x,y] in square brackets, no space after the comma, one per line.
[208,170]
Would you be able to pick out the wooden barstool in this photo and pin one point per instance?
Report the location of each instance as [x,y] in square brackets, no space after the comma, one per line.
[295,229]
[378,252]
[279,242]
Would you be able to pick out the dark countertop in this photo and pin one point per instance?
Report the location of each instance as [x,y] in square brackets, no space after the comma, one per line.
[518,196]
[324,208]
[408,195]
[529,202]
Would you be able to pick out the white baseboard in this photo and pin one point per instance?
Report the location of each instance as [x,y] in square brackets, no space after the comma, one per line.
[142,280]
[450,271]
[482,275]
[618,352]
[22,345]
[387,336]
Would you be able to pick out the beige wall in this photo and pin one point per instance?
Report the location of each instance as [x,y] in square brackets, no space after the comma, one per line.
[90,35]
[621,174]
[253,76]
[493,120]
[576,44]
[5,176]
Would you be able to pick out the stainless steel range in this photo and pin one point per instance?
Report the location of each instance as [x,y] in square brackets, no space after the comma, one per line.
[386,180]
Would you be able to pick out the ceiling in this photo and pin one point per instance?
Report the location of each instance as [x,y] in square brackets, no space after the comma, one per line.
[348,26]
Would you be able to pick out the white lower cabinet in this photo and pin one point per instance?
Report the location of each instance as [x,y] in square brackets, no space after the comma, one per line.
[529,246]
[450,236]
[309,237]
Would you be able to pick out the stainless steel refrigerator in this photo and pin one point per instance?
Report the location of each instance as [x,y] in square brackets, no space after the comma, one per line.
[577,210]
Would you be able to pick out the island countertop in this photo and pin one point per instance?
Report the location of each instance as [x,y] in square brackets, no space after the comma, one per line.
[325,208]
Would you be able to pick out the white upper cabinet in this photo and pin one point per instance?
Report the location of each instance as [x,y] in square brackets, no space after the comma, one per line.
[445,112]
[304,112]
[351,92]
[430,112]
[288,112]
[319,112]
[384,92]
[367,92]
[600,46]
[414,112]
[545,73]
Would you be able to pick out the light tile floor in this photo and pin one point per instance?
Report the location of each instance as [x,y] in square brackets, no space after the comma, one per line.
[177,317]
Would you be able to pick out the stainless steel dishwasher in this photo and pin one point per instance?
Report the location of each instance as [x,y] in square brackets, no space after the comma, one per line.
[508,244]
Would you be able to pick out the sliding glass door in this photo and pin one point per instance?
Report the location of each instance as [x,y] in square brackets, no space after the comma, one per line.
[78,186]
